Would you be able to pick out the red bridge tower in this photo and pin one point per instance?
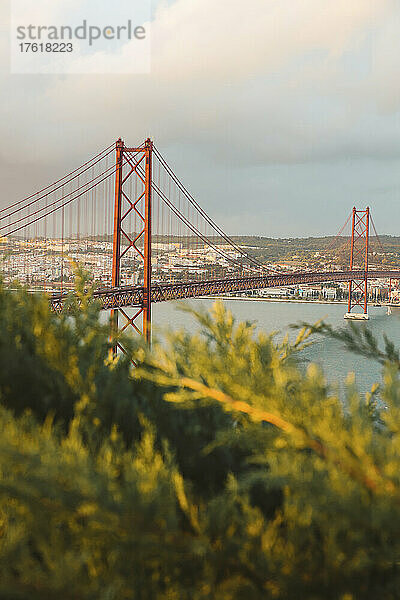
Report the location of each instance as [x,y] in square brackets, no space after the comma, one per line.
[358,289]
[133,162]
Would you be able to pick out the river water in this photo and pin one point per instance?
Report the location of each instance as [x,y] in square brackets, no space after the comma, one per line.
[335,361]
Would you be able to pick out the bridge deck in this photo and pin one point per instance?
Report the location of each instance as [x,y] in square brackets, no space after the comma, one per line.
[113,298]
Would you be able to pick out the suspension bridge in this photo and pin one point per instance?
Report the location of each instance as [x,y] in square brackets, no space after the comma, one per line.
[126,216]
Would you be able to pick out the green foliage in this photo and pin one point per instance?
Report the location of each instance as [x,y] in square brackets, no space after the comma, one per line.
[219,468]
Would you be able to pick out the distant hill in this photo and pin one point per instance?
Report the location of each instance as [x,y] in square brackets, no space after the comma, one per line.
[273,249]
[285,248]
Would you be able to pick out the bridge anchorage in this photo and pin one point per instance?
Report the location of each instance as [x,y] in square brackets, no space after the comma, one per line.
[127,217]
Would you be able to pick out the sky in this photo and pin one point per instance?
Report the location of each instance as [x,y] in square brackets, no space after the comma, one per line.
[278,115]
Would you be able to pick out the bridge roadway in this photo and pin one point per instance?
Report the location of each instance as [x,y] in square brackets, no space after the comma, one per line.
[112,298]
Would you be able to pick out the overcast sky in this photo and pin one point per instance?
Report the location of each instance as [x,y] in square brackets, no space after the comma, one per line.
[278,115]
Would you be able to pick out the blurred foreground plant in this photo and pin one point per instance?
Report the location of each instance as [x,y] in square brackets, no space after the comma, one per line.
[220,468]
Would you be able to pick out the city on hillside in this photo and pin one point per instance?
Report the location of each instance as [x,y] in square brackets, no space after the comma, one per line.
[48,264]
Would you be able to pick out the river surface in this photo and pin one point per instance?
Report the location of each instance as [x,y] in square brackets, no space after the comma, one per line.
[278,316]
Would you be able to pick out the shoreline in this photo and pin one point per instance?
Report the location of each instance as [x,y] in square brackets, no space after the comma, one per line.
[287,300]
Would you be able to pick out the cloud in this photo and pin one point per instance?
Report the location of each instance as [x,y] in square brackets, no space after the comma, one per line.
[230,40]
[283,76]
[232,84]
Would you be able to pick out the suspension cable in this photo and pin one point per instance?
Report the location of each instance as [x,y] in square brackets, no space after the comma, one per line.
[209,220]
[194,229]
[114,169]
[109,148]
